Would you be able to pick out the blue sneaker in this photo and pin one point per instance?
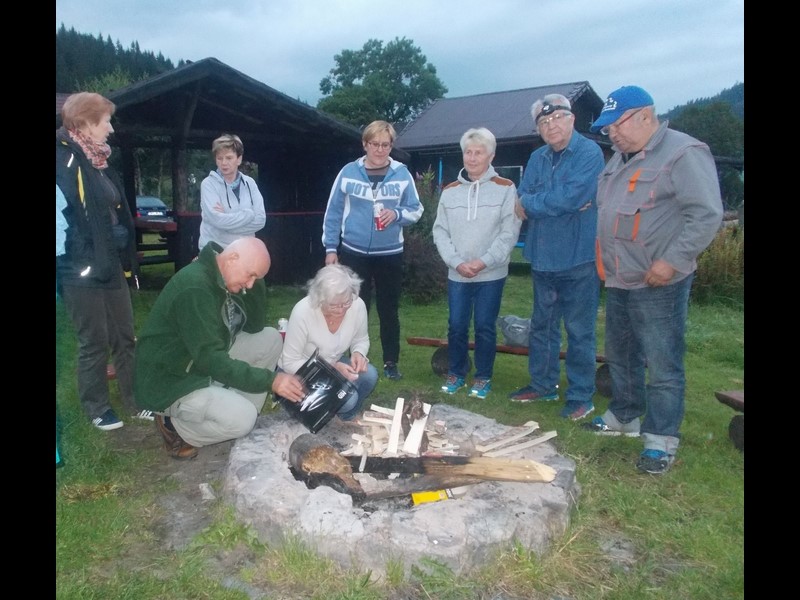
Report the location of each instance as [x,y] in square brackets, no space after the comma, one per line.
[576,411]
[527,394]
[654,461]
[480,388]
[107,421]
[452,384]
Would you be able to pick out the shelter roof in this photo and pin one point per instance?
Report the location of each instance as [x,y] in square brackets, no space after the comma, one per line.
[506,114]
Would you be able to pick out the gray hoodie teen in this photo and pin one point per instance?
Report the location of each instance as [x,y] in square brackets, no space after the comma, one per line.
[476,219]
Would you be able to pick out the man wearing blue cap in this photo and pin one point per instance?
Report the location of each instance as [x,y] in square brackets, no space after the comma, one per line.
[659,207]
[557,196]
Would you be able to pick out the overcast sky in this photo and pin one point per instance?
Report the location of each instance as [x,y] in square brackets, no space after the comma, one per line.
[678,50]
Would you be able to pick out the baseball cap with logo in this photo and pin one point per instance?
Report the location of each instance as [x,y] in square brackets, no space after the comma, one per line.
[618,101]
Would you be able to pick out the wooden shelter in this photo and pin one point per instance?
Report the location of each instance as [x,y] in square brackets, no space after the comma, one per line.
[298,149]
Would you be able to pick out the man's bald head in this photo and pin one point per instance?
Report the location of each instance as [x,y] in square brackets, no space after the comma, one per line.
[242,262]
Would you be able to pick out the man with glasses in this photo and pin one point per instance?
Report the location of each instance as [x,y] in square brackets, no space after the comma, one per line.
[372,200]
[659,207]
[557,197]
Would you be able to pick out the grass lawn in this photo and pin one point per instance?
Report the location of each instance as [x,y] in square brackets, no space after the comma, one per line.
[683,531]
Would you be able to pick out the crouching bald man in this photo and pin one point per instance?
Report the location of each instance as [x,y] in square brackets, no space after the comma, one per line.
[204,358]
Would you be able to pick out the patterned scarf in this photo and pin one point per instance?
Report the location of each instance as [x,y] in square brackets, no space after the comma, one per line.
[97,152]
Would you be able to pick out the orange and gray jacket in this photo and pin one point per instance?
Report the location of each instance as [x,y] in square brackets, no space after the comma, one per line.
[663,203]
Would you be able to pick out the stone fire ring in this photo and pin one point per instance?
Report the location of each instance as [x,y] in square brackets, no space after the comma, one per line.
[462,533]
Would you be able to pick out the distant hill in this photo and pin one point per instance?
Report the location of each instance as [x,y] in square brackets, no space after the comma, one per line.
[733,96]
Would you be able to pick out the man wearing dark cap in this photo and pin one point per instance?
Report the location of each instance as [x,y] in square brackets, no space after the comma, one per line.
[557,197]
[659,207]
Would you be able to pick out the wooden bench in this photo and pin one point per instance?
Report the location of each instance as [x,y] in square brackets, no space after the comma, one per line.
[439,362]
[734,399]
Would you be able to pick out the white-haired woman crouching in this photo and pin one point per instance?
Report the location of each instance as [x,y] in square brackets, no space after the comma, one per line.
[333,318]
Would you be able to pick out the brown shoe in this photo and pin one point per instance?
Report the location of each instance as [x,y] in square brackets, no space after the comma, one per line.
[173,442]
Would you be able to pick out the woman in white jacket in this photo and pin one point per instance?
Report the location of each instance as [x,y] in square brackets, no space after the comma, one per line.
[230,202]
[475,231]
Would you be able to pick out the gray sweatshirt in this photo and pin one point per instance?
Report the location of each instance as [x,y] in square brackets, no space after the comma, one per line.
[476,219]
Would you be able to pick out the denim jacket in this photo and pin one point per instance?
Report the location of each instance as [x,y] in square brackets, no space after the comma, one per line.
[558,195]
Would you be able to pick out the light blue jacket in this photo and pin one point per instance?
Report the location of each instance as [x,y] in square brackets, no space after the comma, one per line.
[349,215]
[559,197]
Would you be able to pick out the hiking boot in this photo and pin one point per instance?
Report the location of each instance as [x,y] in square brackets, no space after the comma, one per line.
[576,411]
[107,421]
[390,370]
[452,384]
[528,394]
[654,461]
[600,427]
[173,442]
[480,388]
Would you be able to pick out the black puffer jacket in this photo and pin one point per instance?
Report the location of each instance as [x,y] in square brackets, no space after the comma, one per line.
[90,235]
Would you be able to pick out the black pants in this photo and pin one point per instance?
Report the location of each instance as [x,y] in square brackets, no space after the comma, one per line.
[386,273]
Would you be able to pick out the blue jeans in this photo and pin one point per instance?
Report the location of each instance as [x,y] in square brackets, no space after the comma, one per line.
[463,298]
[571,296]
[365,383]
[646,328]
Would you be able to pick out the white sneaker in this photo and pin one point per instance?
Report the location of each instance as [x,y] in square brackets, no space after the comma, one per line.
[145,415]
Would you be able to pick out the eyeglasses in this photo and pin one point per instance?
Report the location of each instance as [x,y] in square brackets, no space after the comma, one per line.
[607,128]
[555,119]
[380,145]
[341,306]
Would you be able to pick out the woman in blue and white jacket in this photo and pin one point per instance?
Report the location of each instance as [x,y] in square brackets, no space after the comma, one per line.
[374,254]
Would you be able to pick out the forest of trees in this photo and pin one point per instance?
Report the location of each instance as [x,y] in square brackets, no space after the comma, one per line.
[82,58]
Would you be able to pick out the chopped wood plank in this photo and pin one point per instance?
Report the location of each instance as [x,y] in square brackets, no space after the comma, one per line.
[437,442]
[379,433]
[397,427]
[362,463]
[374,414]
[379,420]
[509,436]
[448,447]
[522,446]
[382,409]
[482,467]
[414,437]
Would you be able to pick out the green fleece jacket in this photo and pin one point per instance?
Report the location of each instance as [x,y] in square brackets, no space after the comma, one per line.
[184,344]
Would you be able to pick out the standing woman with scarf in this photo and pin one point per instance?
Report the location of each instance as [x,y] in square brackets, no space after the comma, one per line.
[100,256]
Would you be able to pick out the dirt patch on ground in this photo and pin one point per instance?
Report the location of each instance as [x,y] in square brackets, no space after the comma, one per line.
[186,502]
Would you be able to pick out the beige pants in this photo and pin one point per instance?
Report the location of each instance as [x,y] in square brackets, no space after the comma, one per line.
[216,413]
